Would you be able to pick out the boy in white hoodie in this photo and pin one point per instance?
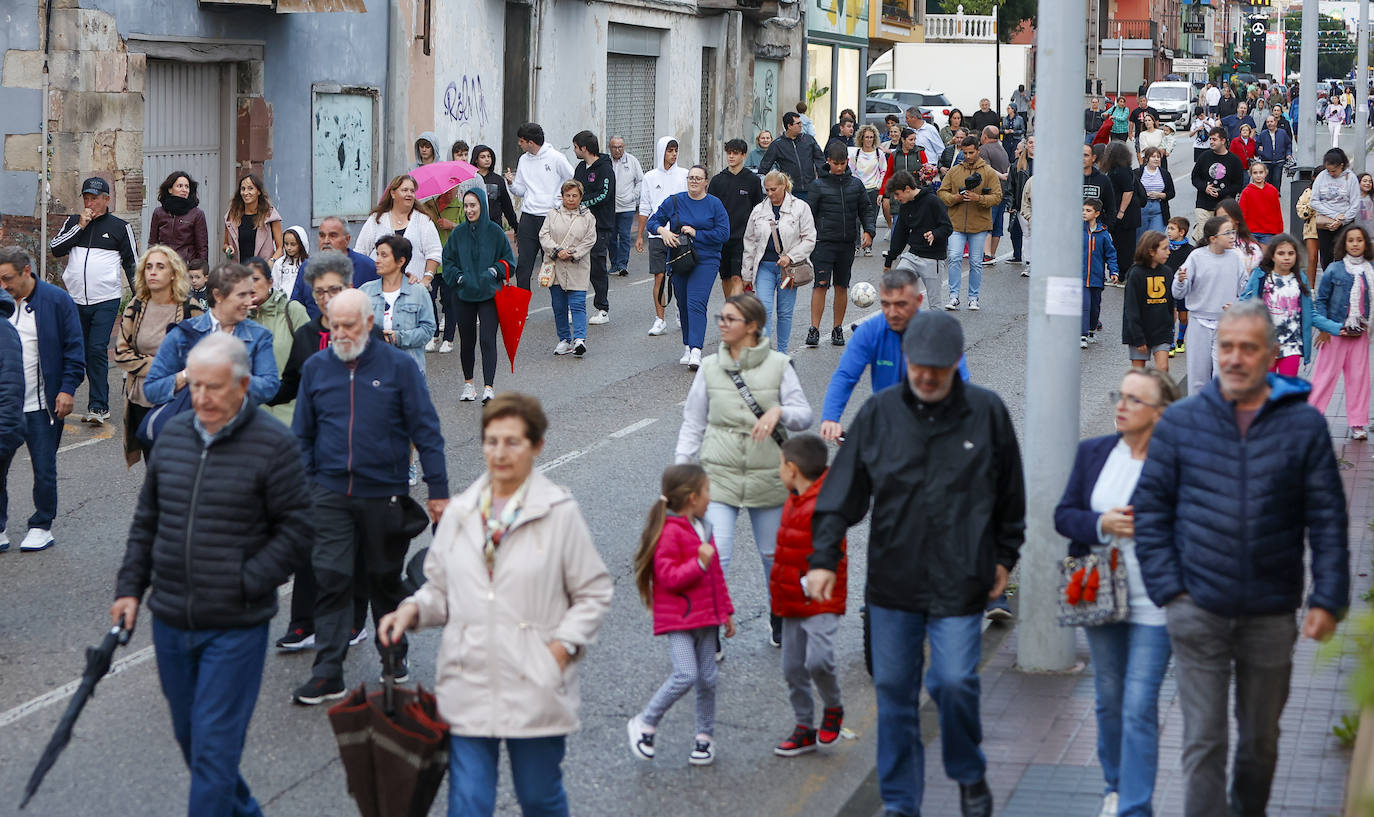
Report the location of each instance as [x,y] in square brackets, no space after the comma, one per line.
[537,180]
[667,178]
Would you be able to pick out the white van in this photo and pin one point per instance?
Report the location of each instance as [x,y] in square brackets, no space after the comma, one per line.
[1174,101]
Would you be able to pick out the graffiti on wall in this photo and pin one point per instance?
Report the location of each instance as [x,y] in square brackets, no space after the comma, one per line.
[342,155]
[465,102]
[765,115]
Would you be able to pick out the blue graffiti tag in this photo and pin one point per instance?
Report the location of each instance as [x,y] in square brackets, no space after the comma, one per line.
[464,100]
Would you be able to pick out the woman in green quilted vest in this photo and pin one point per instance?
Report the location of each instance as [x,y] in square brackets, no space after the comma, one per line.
[741,401]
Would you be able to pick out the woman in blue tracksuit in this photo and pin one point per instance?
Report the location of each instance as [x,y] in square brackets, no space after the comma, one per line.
[702,217]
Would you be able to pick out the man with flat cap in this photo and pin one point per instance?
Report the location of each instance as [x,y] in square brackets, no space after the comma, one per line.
[938,459]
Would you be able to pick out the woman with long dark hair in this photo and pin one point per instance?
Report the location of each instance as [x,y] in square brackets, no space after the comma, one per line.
[252,226]
[1342,312]
[1116,163]
[178,222]
[1278,281]
[396,214]
[498,195]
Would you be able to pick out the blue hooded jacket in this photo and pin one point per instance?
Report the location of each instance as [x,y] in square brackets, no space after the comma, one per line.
[874,344]
[1099,256]
[11,381]
[160,384]
[1223,517]
[61,353]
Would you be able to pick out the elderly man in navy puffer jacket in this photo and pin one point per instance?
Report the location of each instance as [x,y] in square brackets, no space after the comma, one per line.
[1236,476]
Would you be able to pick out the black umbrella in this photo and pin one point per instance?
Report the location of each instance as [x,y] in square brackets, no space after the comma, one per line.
[97,665]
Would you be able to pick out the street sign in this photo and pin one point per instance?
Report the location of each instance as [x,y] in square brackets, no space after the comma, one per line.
[1194,27]
[1190,66]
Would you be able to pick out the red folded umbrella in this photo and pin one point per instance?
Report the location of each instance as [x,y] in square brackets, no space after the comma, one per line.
[512,309]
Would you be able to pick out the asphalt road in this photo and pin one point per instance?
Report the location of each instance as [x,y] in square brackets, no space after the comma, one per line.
[614,421]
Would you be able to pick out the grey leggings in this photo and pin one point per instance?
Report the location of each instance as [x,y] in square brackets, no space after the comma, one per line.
[694,664]
[469,317]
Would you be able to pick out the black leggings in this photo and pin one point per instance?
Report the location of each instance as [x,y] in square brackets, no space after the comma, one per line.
[469,316]
[441,295]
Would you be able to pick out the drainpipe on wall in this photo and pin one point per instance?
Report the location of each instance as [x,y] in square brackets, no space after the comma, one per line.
[536,58]
[44,187]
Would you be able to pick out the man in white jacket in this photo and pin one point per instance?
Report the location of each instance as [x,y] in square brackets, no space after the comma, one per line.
[629,177]
[667,178]
[537,179]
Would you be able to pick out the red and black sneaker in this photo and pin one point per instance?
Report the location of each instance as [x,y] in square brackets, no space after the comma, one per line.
[830,725]
[803,740]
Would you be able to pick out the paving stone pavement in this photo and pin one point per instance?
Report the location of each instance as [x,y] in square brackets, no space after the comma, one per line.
[1040,731]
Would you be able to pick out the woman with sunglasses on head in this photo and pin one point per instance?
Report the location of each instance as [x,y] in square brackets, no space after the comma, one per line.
[738,443]
[1129,657]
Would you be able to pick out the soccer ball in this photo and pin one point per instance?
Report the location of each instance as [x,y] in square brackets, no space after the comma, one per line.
[863,294]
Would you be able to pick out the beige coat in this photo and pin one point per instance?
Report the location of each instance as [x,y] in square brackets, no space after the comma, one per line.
[575,232]
[796,230]
[496,675]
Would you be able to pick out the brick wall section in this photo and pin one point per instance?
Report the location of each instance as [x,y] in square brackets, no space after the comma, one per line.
[254,134]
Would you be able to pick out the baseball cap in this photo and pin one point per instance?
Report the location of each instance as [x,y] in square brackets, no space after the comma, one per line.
[95,186]
[933,338]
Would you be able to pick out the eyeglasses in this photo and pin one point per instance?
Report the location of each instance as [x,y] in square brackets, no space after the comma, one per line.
[728,319]
[696,178]
[1116,396]
[1227,232]
[331,291]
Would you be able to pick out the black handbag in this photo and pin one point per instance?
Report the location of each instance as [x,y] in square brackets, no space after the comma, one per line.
[779,436]
[682,259]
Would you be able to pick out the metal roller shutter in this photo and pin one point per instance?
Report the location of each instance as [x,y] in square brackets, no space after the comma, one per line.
[630,92]
[182,132]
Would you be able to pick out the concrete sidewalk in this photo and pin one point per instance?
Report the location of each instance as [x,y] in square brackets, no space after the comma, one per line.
[1040,731]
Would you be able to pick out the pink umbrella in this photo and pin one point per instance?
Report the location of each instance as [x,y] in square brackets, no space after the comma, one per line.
[438,178]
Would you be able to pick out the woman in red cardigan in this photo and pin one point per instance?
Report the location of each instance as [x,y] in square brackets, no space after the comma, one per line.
[1243,146]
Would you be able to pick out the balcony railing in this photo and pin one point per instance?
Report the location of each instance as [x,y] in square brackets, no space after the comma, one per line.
[961,26]
[1131,30]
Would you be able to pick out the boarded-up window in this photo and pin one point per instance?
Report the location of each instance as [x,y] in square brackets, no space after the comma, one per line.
[343,152]
[708,108]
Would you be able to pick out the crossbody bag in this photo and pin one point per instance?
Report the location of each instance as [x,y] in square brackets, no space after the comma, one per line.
[779,436]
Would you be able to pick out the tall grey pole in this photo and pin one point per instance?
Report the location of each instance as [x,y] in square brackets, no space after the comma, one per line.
[1120,57]
[1307,101]
[1051,428]
[1362,89]
[997,54]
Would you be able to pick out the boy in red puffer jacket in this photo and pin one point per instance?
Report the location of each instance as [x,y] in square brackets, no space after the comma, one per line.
[808,626]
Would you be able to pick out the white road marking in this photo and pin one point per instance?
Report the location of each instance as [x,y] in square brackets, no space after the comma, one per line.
[91,441]
[65,691]
[633,427]
[640,282]
[554,463]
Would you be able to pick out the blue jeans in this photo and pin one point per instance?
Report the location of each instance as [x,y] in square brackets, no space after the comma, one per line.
[211,680]
[766,287]
[1092,309]
[42,433]
[565,301]
[693,293]
[535,765]
[1128,668]
[975,242]
[621,240]
[955,647]
[997,213]
[97,322]
[1151,218]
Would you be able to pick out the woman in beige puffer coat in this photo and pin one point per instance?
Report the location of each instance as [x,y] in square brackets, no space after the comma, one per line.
[568,234]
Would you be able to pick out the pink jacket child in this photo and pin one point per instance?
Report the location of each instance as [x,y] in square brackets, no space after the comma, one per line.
[685,596]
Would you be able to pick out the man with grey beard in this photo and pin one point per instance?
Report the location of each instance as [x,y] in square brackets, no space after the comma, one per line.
[359,409]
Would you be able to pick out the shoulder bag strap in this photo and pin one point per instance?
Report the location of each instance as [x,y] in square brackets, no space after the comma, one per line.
[778,436]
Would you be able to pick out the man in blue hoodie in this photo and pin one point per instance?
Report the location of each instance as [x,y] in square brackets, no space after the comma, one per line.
[359,409]
[53,357]
[1239,485]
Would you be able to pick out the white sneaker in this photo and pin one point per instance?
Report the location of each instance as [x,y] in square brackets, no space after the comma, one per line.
[563,348]
[4,541]
[641,742]
[1358,433]
[694,360]
[487,394]
[703,753]
[1025,271]
[686,355]
[953,304]
[1109,805]
[658,328]
[1082,341]
[973,305]
[358,637]
[469,393]
[446,347]
[35,540]
[432,345]
[601,317]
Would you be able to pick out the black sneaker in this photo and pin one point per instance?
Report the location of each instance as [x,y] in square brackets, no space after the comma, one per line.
[813,337]
[319,690]
[775,630]
[622,272]
[402,672]
[975,800]
[295,640]
[837,336]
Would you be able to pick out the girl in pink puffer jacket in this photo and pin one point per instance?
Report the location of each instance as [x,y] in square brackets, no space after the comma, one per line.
[679,578]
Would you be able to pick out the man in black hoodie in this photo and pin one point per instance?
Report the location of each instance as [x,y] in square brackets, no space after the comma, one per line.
[1096,185]
[922,227]
[839,204]
[739,190]
[597,175]
[795,154]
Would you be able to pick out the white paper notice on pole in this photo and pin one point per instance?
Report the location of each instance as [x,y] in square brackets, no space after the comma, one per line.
[1063,296]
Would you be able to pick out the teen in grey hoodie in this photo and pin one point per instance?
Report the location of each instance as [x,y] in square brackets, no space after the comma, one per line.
[1335,195]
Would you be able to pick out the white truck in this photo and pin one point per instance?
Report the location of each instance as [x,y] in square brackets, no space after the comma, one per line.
[964,72]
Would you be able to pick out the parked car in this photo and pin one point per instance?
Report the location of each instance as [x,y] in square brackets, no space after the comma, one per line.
[1174,101]
[876,111]
[932,103]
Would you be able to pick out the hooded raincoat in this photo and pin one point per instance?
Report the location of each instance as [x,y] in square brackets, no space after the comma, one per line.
[475,254]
